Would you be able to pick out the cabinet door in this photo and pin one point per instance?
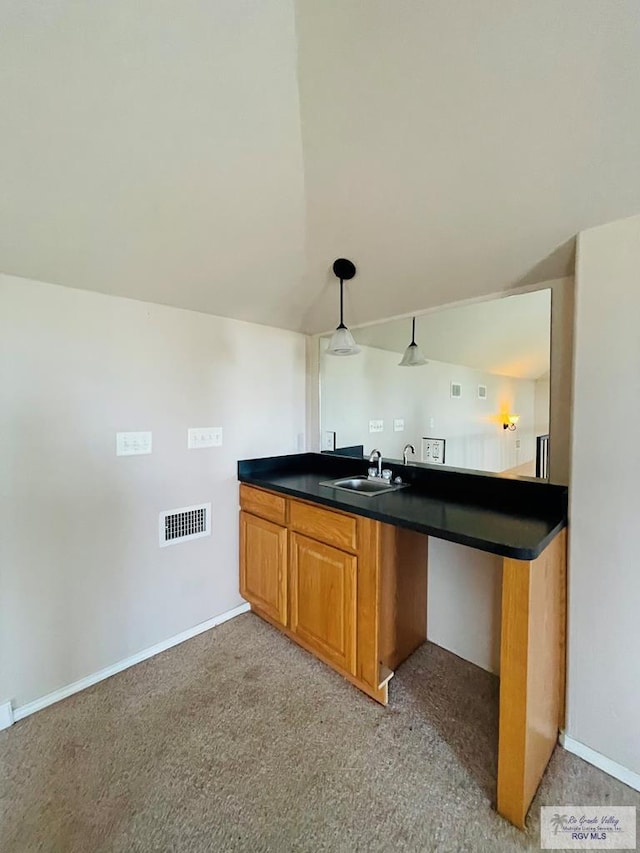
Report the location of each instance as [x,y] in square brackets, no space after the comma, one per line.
[263,565]
[323,600]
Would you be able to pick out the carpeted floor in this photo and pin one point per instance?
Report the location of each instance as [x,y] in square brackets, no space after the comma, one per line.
[239,740]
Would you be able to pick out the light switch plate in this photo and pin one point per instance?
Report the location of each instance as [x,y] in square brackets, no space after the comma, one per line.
[376,426]
[199,437]
[133,443]
[398,424]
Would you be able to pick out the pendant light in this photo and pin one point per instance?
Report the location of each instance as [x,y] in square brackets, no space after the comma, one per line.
[342,342]
[412,356]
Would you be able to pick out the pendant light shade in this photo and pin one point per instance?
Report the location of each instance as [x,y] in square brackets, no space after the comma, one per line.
[412,355]
[342,342]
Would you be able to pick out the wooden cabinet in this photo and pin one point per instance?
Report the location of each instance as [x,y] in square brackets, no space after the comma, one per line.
[263,565]
[323,600]
[351,590]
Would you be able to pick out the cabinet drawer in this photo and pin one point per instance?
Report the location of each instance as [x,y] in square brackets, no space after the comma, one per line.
[334,528]
[265,504]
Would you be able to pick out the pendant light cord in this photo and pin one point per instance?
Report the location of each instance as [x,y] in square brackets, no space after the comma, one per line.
[341,326]
[413,331]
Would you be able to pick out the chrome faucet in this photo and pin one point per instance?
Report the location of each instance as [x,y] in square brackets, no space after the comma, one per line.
[376,456]
[405,453]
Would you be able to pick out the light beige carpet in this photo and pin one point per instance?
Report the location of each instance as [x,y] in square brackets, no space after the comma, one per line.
[239,740]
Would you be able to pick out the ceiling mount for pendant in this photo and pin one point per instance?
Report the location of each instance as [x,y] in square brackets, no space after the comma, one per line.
[342,342]
[344,269]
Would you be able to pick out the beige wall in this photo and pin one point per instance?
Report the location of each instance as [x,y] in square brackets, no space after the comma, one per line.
[561,379]
[83,582]
[604,569]
[464,602]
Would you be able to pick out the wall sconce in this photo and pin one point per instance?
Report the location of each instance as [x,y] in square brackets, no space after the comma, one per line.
[510,421]
[342,342]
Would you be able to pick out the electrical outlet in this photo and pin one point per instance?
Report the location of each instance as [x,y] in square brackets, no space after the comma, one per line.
[517,444]
[398,424]
[433,450]
[376,426]
[133,443]
[328,440]
[199,437]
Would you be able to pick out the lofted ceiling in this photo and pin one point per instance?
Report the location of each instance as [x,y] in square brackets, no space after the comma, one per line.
[454,149]
[152,150]
[220,156]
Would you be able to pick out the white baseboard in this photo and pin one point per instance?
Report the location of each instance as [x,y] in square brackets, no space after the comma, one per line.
[601,761]
[6,715]
[44,702]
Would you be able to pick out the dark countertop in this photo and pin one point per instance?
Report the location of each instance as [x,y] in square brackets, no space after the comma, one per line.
[509,516]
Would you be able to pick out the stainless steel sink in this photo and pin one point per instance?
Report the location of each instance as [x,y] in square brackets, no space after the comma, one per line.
[364,486]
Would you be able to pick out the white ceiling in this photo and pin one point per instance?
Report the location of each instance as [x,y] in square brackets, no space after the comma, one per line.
[509,336]
[220,156]
[153,150]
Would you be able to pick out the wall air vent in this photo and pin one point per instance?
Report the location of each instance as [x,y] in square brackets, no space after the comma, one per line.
[189,522]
